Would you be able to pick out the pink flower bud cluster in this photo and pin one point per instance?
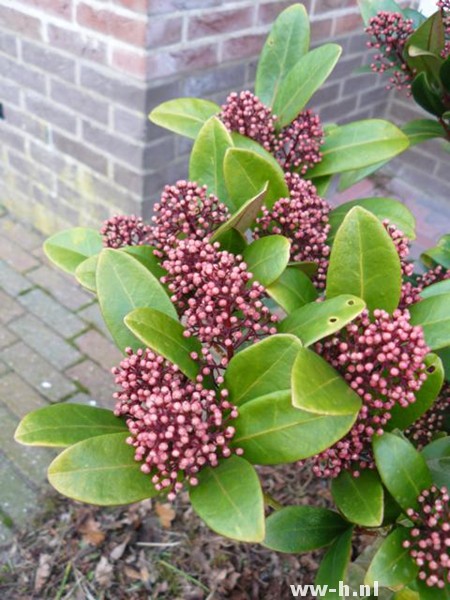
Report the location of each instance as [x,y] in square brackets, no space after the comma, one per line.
[390,32]
[177,426]
[383,361]
[401,244]
[185,210]
[429,537]
[423,431]
[303,219]
[411,291]
[244,113]
[298,145]
[211,290]
[122,230]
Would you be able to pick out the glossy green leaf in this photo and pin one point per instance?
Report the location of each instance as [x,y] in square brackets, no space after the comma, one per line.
[437,455]
[303,80]
[392,565]
[334,565]
[146,256]
[101,470]
[423,48]
[317,320]
[185,116]
[267,258]
[65,424]
[246,173]
[230,501]
[430,593]
[433,315]
[416,16]
[437,289]
[364,262]
[358,145]
[383,208]
[421,130]
[271,431]
[369,8]
[403,470]
[426,96]
[68,248]
[233,241]
[124,284]
[322,184]
[360,499]
[165,336]
[85,273]
[287,42]
[245,143]
[262,368]
[307,267]
[444,355]
[445,77]
[401,417]
[439,255]
[207,156]
[350,178]
[292,289]
[297,529]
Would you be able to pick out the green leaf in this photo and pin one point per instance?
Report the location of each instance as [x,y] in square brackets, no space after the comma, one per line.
[296,529]
[185,116]
[101,470]
[230,501]
[68,248]
[444,75]
[426,96]
[402,469]
[261,369]
[421,130]
[364,262]
[124,284]
[309,268]
[207,156]
[267,258]
[244,217]
[333,567]
[287,42]
[165,336]
[303,80]
[433,315]
[437,289]
[430,593]
[85,273]
[401,417]
[246,173]
[322,184]
[146,256]
[233,241]
[359,144]
[392,565]
[65,424]
[271,431]
[437,455]
[319,389]
[246,143]
[444,355]
[317,320]
[369,8]
[292,289]
[424,46]
[383,208]
[360,499]
[439,255]
[417,17]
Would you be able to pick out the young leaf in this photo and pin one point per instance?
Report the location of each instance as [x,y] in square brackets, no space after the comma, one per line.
[364,262]
[287,42]
[359,144]
[439,255]
[302,82]
[433,316]
[68,248]
[401,417]
[123,284]
[230,501]
[271,431]
[333,567]
[207,156]
[424,46]
[262,368]
[267,258]
[317,320]
[297,529]
[402,469]
[437,455]
[101,470]
[185,116]
[319,389]
[165,336]
[360,499]
[292,289]
[246,173]
[392,565]
[65,424]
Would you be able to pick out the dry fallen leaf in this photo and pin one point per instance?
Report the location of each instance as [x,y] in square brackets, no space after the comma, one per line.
[91,532]
[42,572]
[118,551]
[166,514]
[132,573]
[103,572]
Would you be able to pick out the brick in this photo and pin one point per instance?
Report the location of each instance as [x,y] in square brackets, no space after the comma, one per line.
[27,168]
[28,78]
[345,108]
[11,137]
[134,5]
[156,7]
[7,338]
[40,374]
[82,398]
[323,6]
[53,314]
[164,32]
[11,309]
[60,287]
[125,150]
[242,46]
[19,499]
[98,348]
[92,316]
[131,95]
[94,212]
[18,396]
[267,13]
[60,8]
[131,180]
[48,60]
[135,125]
[212,81]
[81,152]
[18,258]
[321,30]
[171,62]
[10,94]
[20,22]
[51,113]
[87,47]
[130,62]
[49,157]
[79,101]
[114,198]
[348,23]
[214,23]
[98,382]
[3,368]
[326,94]
[8,44]
[126,29]
[12,282]
[28,124]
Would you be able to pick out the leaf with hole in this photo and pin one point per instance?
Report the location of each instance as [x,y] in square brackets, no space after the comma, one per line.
[360,499]
[68,248]
[292,289]
[433,315]
[185,116]
[267,258]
